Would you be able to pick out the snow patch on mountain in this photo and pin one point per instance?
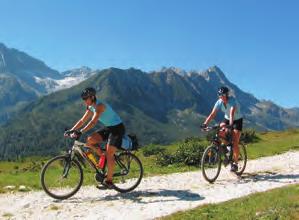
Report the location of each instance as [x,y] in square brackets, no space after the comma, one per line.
[69,79]
[53,85]
[68,82]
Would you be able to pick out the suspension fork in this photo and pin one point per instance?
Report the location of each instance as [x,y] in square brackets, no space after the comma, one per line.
[70,156]
[67,165]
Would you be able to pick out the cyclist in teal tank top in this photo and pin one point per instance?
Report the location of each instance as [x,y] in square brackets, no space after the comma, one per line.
[232,117]
[113,131]
[108,117]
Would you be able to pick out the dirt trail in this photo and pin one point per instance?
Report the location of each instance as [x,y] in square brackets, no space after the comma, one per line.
[156,196]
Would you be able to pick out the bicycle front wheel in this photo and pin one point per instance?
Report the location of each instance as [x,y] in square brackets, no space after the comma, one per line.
[61,177]
[242,160]
[211,164]
[128,172]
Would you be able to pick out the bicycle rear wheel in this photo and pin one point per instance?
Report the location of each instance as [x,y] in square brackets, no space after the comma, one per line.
[211,164]
[128,172]
[242,161]
[61,177]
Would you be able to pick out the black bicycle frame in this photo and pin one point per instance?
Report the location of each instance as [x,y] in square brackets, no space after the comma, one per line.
[222,148]
[121,165]
[74,154]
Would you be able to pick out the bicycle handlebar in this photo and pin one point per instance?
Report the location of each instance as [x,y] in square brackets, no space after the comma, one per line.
[215,127]
[73,134]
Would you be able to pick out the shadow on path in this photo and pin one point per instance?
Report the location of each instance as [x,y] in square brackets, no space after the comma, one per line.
[268,176]
[142,197]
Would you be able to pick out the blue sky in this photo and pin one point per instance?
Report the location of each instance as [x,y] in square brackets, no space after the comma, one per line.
[255,42]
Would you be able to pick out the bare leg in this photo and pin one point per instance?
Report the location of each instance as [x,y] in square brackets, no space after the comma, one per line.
[222,133]
[92,141]
[236,139]
[110,161]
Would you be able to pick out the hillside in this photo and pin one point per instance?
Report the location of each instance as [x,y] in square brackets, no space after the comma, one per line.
[160,107]
[24,78]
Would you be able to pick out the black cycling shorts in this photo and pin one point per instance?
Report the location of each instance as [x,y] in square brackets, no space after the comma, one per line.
[113,134]
[238,124]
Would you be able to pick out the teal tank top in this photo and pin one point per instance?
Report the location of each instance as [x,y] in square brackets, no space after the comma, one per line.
[108,117]
[226,109]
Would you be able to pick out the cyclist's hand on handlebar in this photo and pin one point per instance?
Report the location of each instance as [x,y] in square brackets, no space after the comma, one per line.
[203,126]
[73,134]
[67,133]
[76,134]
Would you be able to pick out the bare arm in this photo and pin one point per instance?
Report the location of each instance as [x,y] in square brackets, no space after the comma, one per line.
[231,115]
[83,120]
[99,110]
[211,116]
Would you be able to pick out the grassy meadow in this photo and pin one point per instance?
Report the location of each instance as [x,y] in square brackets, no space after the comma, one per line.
[27,171]
[281,203]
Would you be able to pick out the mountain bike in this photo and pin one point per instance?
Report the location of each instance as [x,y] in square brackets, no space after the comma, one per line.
[62,176]
[221,151]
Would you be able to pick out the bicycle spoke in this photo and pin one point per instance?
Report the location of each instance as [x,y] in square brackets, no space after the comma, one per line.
[128,172]
[61,178]
[211,164]
[242,159]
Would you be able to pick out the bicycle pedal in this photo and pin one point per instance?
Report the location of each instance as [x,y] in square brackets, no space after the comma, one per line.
[101,187]
[99,177]
[108,185]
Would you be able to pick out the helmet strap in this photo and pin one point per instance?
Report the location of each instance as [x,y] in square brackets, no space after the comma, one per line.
[94,99]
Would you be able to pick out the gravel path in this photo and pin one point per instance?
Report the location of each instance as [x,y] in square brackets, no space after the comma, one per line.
[156,196]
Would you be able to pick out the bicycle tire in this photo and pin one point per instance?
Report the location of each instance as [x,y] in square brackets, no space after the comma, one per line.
[44,184]
[216,162]
[119,182]
[243,153]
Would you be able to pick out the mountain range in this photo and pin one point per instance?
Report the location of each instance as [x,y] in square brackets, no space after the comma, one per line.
[160,106]
[24,79]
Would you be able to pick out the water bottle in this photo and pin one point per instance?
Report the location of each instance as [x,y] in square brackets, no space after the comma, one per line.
[102,161]
[90,155]
[126,143]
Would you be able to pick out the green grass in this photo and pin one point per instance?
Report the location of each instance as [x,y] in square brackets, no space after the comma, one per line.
[272,143]
[20,173]
[7,215]
[152,169]
[282,203]
[28,172]
[54,207]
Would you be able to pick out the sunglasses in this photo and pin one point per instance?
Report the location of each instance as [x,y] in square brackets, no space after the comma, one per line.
[85,98]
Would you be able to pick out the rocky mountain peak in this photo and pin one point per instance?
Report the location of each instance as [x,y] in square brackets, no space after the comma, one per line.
[215,74]
[173,70]
[24,66]
[81,71]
